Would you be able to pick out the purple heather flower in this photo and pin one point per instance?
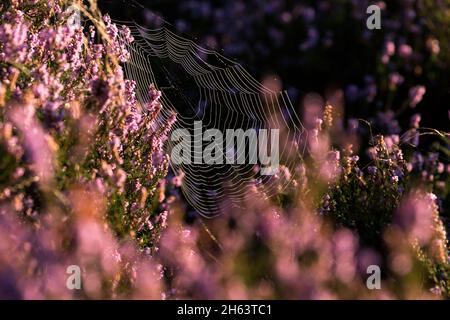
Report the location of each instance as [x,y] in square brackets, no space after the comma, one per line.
[433,46]
[372,170]
[13,36]
[395,79]
[370,92]
[433,157]
[405,51]
[417,161]
[412,137]
[387,121]
[312,39]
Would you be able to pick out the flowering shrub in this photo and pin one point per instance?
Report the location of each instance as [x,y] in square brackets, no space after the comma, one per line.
[74,141]
[83,181]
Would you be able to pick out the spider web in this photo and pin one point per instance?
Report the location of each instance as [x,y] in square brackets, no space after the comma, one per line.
[202,85]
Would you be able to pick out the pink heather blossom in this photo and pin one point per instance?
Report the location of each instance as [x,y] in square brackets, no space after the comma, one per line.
[395,79]
[86,179]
